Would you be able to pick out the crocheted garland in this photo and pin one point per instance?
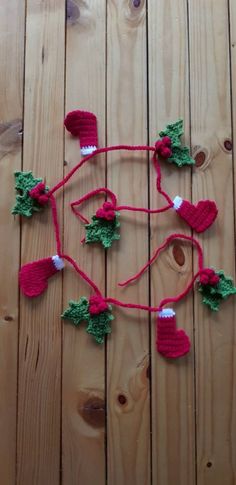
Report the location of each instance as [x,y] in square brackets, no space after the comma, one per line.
[32,195]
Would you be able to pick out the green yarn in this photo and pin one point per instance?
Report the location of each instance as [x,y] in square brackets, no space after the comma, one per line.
[180,154]
[97,325]
[100,325]
[25,205]
[78,311]
[101,230]
[174,131]
[213,295]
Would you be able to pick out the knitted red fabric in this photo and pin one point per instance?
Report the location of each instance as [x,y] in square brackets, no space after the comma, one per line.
[171,342]
[38,193]
[200,216]
[97,305]
[83,125]
[33,277]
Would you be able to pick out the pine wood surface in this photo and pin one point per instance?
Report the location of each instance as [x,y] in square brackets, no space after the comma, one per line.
[72,412]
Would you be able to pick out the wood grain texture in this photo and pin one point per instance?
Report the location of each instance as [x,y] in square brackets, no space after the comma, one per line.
[38,447]
[172,385]
[119,414]
[11,113]
[231,145]
[215,333]
[83,396]
[128,347]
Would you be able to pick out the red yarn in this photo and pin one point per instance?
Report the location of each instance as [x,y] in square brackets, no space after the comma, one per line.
[56,224]
[170,341]
[97,305]
[82,274]
[83,124]
[158,180]
[38,193]
[168,240]
[143,209]
[122,304]
[199,216]
[97,152]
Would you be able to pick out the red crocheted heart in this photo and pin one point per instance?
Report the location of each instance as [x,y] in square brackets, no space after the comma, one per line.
[200,216]
[171,342]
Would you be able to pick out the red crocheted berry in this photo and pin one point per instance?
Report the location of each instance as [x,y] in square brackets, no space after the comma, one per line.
[97,305]
[163,147]
[107,211]
[209,277]
[166,140]
[38,193]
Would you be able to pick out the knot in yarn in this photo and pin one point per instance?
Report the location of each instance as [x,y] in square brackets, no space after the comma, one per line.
[107,211]
[163,147]
[209,277]
[39,193]
[97,305]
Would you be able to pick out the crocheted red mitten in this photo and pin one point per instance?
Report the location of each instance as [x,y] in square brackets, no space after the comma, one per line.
[200,216]
[33,277]
[83,125]
[171,342]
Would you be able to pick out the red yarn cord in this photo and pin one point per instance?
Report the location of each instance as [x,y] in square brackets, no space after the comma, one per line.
[88,196]
[175,299]
[97,152]
[157,252]
[131,305]
[56,224]
[143,209]
[82,273]
[158,181]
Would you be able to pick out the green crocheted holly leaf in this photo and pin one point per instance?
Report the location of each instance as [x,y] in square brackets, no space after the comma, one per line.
[78,311]
[100,325]
[174,131]
[25,205]
[181,156]
[101,230]
[213,295]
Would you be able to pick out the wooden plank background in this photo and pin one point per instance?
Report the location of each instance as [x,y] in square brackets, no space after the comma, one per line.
[71,412]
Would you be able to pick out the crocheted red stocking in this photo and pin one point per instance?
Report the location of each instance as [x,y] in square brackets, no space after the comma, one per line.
[83,125]
[200,216]
[171,342]
[33,277]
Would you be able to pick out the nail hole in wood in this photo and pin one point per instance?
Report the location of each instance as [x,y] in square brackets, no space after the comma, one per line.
[200,159]
[122,399]
[228,145]
[65,162]
[178,254]
[136,3]
[8,318]
[209,464]
[93,412]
